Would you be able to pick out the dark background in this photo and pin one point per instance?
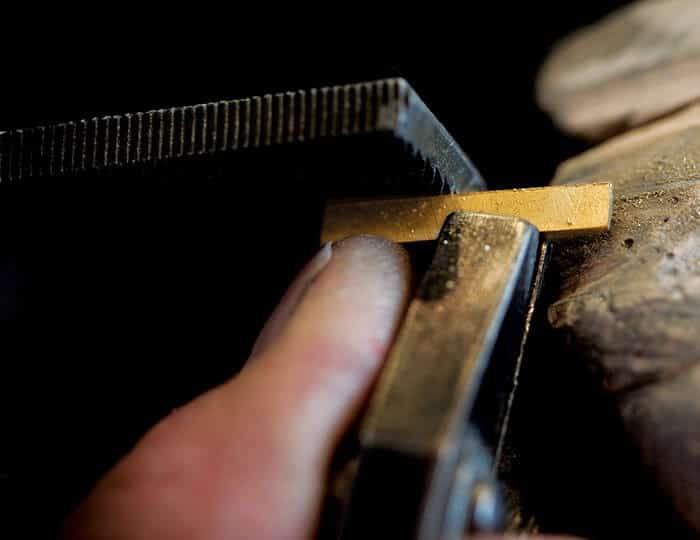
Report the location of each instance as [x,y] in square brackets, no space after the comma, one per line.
[118,308]
[474,64]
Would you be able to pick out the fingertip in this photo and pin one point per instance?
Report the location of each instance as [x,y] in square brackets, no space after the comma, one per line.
[383,251]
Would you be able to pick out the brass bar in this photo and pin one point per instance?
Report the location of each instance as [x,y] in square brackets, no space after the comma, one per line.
[557,211]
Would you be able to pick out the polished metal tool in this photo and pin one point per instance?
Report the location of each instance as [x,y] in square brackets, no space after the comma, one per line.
[433,435]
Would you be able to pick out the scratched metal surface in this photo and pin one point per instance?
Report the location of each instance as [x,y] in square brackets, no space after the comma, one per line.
[411,448]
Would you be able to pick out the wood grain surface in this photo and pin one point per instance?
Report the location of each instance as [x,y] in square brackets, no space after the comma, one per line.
[637,64]
[629,300]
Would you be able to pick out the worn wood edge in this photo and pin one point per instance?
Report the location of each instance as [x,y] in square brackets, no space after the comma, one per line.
[580,167]
[632,66]
[619,105]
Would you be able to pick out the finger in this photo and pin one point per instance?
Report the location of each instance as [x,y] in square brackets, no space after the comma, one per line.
[247,459]
[340,333]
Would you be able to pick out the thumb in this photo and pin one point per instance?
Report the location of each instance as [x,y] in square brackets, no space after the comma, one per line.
[248,459]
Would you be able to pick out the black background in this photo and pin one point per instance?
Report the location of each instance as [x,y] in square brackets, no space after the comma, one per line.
[113,322]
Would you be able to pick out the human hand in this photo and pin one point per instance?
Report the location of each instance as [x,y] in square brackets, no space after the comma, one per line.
[248,459]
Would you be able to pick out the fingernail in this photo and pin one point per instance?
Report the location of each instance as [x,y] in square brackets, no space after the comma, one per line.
[291,299]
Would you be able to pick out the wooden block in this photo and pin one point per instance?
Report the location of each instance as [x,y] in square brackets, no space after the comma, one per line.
[629,300]
[635,65]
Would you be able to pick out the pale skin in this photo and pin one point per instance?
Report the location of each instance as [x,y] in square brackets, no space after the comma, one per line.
[248,458]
